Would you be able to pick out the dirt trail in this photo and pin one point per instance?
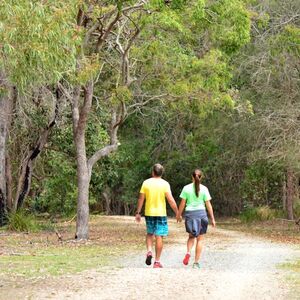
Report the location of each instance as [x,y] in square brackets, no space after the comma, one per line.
[234,266]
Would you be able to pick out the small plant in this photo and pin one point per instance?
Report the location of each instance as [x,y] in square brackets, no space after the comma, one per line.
[297,209]
[262,213]
[265,213]
[248,215]
[22,221]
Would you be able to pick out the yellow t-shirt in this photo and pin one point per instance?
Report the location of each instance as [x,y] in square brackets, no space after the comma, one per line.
[155,190]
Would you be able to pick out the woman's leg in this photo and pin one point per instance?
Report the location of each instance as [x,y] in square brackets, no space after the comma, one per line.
[190,243]
[199,247]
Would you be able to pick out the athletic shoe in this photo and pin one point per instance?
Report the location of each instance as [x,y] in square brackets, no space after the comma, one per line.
[157,264]
[186,259]
[196,265]
[148,258]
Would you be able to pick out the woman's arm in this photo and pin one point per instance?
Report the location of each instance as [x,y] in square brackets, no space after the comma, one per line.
[210,212]
[180,210]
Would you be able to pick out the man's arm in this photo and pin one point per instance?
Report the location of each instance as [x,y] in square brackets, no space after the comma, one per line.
[172,202]
[210,212]
[139,207]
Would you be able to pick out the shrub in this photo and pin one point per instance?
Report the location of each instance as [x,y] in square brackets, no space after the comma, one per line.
[297,209]
[262,213]
[22,221]
[265,213]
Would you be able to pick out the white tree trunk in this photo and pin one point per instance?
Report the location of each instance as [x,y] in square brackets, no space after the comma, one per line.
[3,134]
[5,111]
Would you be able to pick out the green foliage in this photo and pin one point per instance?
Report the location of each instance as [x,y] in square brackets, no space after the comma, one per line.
[39,41]
[22,221]
[289,40]
[262,184]
[182,65]
[297,208]
[89,67]
[58,191]
[228,23]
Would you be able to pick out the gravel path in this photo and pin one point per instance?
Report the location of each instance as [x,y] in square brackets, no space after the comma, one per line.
[234,266]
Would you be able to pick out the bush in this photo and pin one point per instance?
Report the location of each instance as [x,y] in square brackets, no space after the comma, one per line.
[22,222]
[262,213]
[297,209]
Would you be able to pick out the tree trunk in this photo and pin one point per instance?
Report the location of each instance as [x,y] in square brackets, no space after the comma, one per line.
[24,182]
[107,198]
[290,187]
[83,181]
[80,117]
[3,134]
[5,112]
[126,209]
[284,192]
[9,183]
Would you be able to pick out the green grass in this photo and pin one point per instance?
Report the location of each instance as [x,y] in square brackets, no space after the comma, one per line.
[278,230]
[293,276]
[55,261]
[39,254]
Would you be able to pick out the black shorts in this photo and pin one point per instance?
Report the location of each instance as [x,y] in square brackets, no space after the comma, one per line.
[196,222]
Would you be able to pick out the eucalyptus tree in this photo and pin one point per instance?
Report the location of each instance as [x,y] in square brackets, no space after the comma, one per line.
[268,75]
[34,55]
[191,70]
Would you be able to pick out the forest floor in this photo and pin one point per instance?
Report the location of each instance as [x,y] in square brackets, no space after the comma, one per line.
[235,263]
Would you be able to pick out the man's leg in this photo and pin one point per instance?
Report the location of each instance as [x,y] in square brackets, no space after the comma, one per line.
[158,247]
[199,247]
[149,241]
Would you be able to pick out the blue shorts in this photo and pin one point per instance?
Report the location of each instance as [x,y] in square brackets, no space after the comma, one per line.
[157,225]
[196,222]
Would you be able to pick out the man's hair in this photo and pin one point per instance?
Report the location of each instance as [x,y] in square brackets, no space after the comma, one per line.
[158,170]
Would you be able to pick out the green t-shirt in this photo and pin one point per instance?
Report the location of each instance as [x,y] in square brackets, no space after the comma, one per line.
[192,201]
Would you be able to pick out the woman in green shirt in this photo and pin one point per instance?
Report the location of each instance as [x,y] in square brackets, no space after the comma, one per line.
[195,198]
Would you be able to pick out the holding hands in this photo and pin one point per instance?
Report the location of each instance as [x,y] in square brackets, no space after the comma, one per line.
[178,218]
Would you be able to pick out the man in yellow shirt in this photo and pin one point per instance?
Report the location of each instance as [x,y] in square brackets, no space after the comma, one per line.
[155,190]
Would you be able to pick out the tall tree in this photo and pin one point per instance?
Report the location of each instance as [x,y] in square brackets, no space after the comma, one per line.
[106,27]
[6,95]
[269,78]
[29,60]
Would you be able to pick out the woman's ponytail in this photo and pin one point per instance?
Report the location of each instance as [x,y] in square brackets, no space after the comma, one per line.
[197,175]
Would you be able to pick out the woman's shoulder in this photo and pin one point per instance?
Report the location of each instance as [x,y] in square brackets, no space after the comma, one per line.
[202,186]
[188,186]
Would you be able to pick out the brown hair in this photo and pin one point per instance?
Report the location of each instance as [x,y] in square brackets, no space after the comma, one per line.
[197,175]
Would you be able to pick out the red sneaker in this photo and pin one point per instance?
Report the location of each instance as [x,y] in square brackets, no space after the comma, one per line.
[186,259]
[157,264]
[148,258]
